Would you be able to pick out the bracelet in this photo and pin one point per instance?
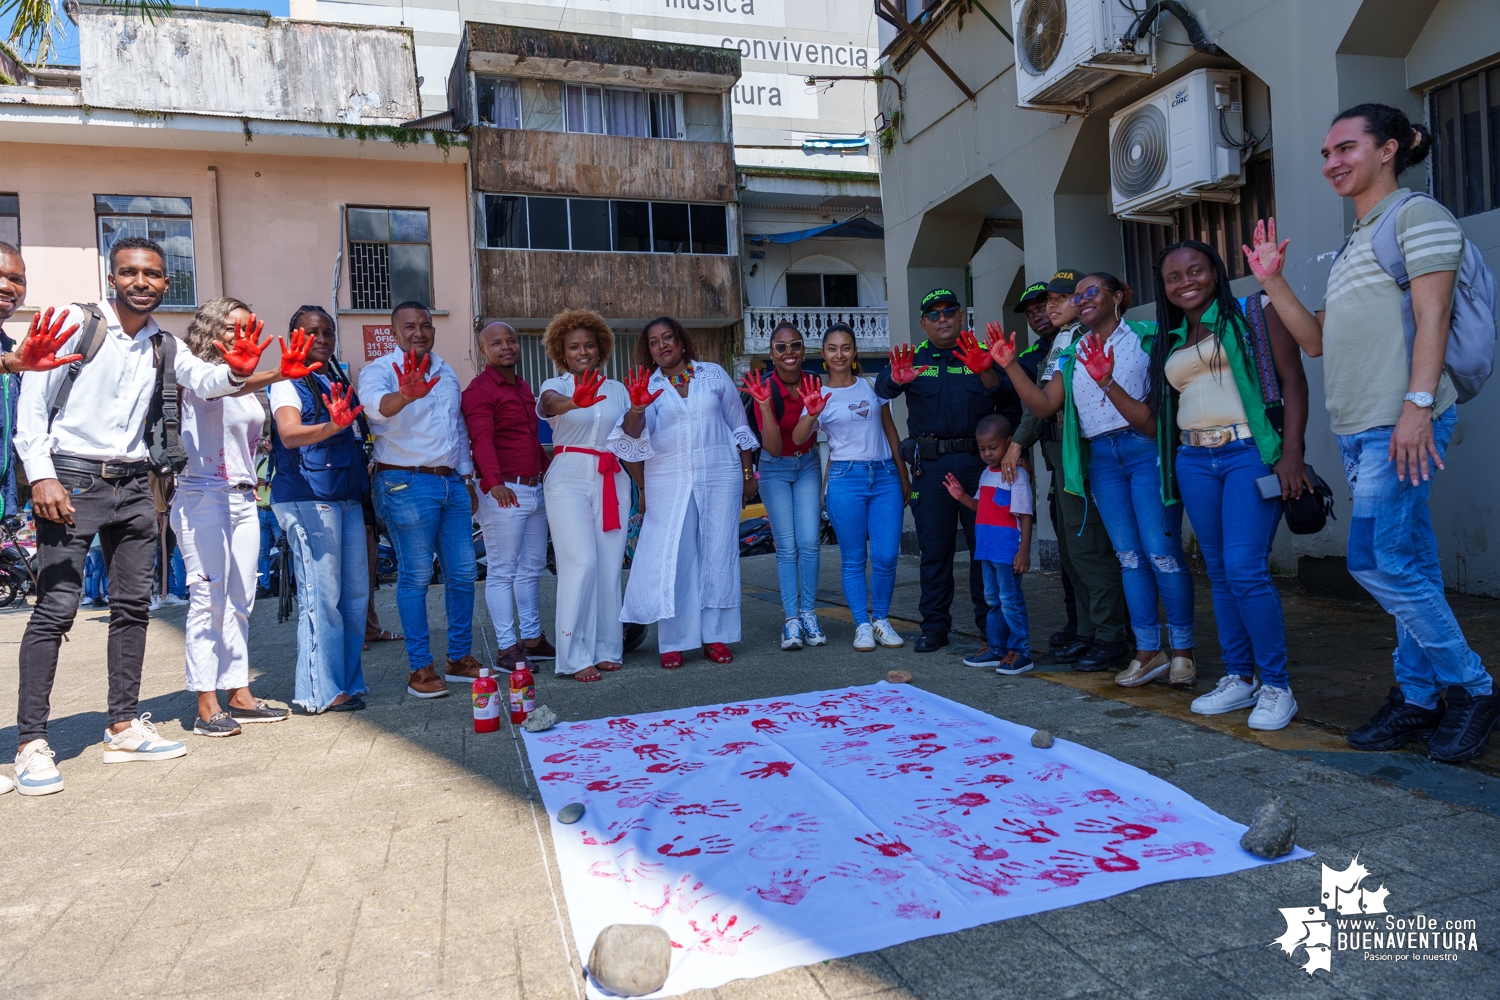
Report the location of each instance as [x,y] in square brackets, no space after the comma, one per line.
[5,363]
[1106,388]
[751,474]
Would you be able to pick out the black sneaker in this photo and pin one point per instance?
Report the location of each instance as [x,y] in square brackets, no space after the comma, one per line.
[1064,636]
[1102,656]
[1070,652]
[354,704]
[1464,732]
[1396,724]
[931,642]
[262,712]
[220,725]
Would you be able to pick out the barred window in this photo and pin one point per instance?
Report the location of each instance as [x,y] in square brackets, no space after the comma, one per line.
[168,221]
[521,222]
[10,219]
[390,257]
[1465,117]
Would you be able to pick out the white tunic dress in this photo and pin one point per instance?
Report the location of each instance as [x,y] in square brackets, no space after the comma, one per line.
[693,481]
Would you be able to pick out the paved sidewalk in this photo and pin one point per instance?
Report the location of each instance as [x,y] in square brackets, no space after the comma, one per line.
[395,853]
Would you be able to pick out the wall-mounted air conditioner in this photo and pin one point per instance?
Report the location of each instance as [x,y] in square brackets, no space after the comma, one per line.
[1178,146]
[1067,48]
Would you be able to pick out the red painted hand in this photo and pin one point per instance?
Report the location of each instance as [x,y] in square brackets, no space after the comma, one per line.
[638,384]
[244,353]
[294,356]
[902,372]
[338,405]
[1002,347]
[38,352]
[758,386]
[586,389]
[1268,256]
[973,353]
[411,376]
[813,399]
[1098,359]
[954,487]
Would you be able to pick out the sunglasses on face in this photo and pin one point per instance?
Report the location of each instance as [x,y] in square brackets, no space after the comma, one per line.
[946,312]
[1086,295]
[787,347]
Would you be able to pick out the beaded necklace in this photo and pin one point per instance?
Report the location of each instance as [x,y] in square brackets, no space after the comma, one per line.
[682,378]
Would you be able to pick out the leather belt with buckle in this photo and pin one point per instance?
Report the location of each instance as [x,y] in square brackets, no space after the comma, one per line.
[104,470]
[430,470]
[1216,437]
[522,480]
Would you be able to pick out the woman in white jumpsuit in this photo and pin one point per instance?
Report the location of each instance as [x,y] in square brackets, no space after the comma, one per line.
[686,423]
[587,493]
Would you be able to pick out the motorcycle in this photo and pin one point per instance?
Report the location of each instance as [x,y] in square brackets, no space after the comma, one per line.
[17,571]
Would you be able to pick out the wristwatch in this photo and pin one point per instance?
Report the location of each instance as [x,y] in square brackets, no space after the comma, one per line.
[1422,399]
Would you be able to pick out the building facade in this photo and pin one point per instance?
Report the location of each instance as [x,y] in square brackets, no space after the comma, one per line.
[982,194]
[271,159]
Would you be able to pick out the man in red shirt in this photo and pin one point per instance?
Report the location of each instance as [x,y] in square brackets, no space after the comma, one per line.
[500,413]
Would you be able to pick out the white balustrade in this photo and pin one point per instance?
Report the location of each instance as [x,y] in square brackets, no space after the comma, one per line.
[872,332]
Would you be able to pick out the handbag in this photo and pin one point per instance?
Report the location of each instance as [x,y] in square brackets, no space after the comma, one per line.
[1309,513]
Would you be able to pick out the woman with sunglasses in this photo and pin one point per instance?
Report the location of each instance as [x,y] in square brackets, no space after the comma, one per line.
[1108,438]
[791,485]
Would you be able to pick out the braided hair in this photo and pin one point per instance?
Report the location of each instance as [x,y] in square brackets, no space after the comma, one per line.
[332,369]
[1231,319]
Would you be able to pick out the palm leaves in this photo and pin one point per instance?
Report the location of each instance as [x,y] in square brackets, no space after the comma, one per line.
[37,24]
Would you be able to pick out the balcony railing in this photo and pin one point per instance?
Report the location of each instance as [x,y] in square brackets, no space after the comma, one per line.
[872,331]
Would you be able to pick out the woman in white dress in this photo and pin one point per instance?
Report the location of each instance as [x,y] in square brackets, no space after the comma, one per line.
[587,494]
[687,425]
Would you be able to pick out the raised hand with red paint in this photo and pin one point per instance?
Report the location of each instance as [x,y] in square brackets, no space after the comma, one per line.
[243,354]
[1002,345]
[902,372]
[38,352]
[586,389]
[1099,360]
[1265,256]
[758,387]
[338,405]
[294,356]
[974,354]
[812,396]
[411,376]
[638,384]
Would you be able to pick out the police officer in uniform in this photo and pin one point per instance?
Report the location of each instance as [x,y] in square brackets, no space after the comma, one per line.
[948,390]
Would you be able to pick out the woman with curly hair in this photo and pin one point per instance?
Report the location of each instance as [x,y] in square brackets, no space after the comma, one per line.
[686,423]
[587,493]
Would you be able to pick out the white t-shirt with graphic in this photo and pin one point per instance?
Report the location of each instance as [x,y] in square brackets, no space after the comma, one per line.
[851,420]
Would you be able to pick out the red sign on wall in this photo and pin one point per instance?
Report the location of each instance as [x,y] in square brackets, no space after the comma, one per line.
[379,341]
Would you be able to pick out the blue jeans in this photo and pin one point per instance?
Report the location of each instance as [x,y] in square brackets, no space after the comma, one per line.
[865,504]
[792,490]
[1007,628]
[95,577]
[327,543]
[427,515]
[1125,474]
[1393,554]
[1235,527]
[270,534]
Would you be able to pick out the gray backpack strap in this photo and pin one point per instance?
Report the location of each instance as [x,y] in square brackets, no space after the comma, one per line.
[1385,245]
[88,345]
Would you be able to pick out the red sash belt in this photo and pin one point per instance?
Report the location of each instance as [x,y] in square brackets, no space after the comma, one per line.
[608,466]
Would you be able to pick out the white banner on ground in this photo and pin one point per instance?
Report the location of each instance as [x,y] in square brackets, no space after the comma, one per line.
[765,835]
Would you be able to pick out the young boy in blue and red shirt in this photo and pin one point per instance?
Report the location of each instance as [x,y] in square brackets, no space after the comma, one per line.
[1003,516]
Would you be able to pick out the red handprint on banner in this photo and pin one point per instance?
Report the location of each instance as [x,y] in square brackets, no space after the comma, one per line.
[875,727]
[1052,772]
[800,822]
[680,766]
[658,800]
[845,761]
[653,751]
[622,725]
[786,886]
[880,876]
[1035,832]
[929,825]
[567,756]
[829,721]
[886,846]
[910,906]
[624,868]
[966,801]
[984,779]
[605,785]
[920,750]
[1113,860]
[846,745]
[767,726]
[736,710]
[1101,795]
[1174,852]
[996,883]
[887,771]
[1116,827]
[1037,807]
[736,747]
[619,828]
[985,760]
[683,897]
[979,849]
[718,808]
[781,767]
[711,844]
[910,737]
[717,940]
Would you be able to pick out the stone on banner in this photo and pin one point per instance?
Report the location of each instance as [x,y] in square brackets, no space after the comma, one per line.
[1041,739]
[631,960]
[570,813]
[1273,829]
[540,721]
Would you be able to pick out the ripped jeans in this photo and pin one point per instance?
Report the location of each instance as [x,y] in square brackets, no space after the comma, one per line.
[1125,474]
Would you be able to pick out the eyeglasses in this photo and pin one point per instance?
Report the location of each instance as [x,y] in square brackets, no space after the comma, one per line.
[787,347]
[1086,296]
[947,312]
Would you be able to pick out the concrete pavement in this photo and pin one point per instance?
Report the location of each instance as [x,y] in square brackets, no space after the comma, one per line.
[393,852]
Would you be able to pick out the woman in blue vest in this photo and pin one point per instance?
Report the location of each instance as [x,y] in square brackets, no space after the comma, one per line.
[318,480]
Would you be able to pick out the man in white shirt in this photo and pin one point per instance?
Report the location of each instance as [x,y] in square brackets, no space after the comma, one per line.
[420,491]
[88,464]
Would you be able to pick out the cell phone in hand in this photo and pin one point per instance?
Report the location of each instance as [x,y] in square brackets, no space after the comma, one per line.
[1269,486]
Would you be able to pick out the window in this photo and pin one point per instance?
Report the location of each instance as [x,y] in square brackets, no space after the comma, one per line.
[390,257]
[168,221]
[834,291]
[1223,227]
[627,114]
[585,108]
[522,222]
[664,116]
[10,219]
[499,101]
[1465,116]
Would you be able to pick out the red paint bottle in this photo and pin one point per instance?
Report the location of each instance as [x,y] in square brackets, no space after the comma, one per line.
[522,693]
[486,703]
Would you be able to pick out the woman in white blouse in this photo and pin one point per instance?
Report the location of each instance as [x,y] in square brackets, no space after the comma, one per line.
[587,494]
[218,528]
[686,423]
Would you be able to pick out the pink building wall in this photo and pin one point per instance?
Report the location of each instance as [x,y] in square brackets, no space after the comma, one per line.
[265,229]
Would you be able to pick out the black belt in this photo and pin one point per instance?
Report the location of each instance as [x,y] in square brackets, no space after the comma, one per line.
[104,470]
[947,446]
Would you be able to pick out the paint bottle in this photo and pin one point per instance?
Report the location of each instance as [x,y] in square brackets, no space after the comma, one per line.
[522,693]
[486,703]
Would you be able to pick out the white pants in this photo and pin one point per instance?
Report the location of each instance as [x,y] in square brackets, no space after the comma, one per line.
[515,548]
[693,625]
[219,534]
[589,561]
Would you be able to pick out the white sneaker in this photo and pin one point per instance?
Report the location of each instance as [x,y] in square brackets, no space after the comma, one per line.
[886,634]
[1231,693]
[1273,709]
[35,772]
[812,632]
[173,601]
[6,784]
[864,637]
[87,602]
[140,742]
[791,634]
[155,604]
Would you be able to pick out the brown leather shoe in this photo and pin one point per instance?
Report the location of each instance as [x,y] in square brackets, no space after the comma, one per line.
[426,683]
[507,658]
[537,649]
[463,671]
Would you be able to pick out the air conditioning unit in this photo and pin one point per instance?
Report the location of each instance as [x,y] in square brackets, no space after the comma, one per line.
[1180,145]
[1067,48]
